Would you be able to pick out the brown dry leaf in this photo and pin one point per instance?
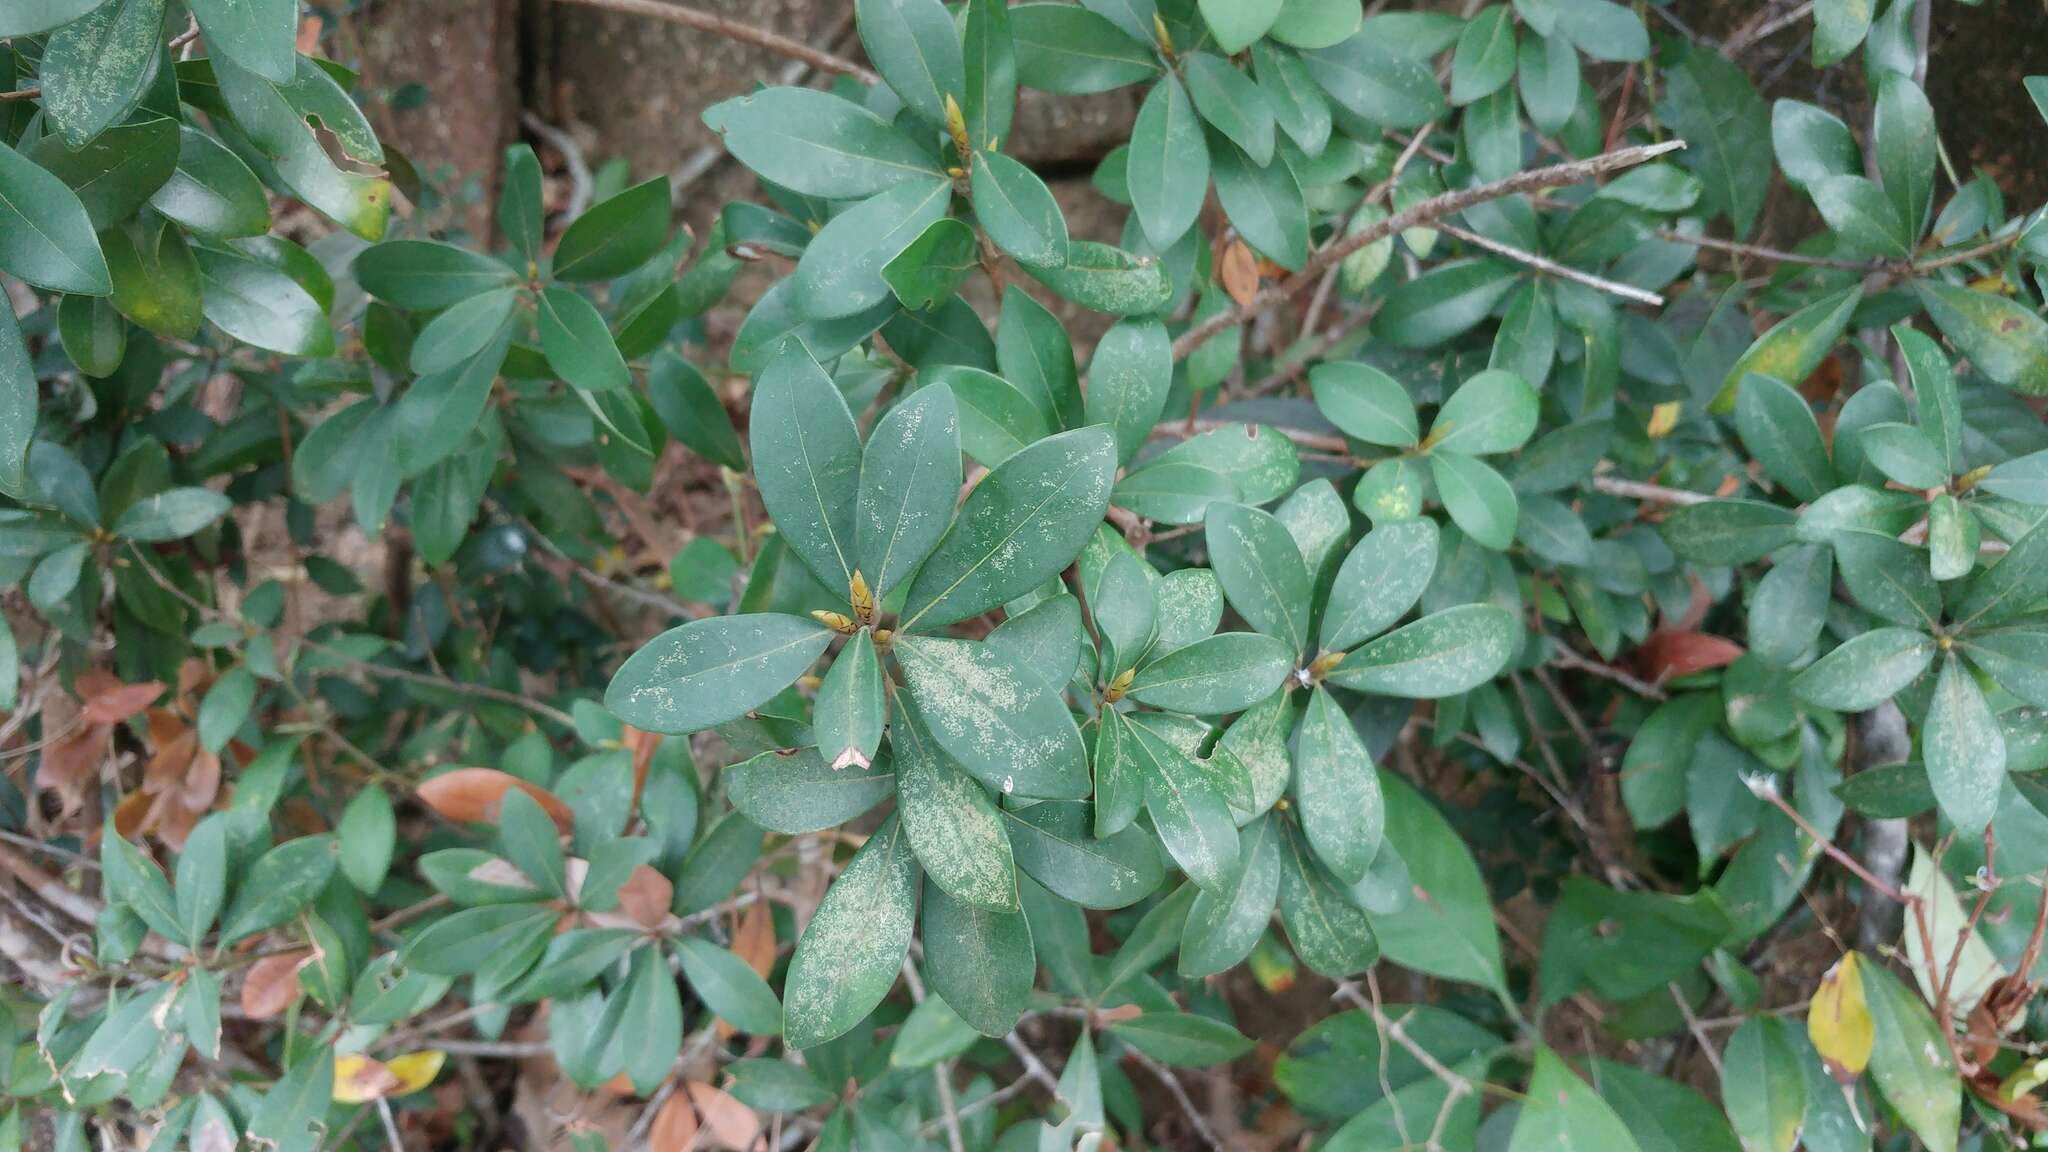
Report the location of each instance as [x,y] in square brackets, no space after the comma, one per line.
[642,745]
[273,983]
[473,794]
[675,1126]
[1669,655]
[730,1124]
[645,896]
[753,939]
[108,701]
[70,765]
[1238,271]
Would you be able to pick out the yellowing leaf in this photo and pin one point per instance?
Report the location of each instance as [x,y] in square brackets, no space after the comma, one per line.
[1838,1019]
[358,1079]
[416,1070]
[1663,418]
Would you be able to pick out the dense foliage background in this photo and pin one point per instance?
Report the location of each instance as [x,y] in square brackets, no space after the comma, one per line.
[1427,633]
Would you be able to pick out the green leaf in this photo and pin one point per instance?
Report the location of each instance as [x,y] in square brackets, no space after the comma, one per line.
[1780,432]
[202,878]
[1904,454]
[520,212]
[1371,80]
[616,235]
[578,346]
[1793,347]
[368,833]
[840,272]
[997,718]
[1329,933]
[1128,380]
[847,721]
[45,236]
[257,35]
[1191,816]
[1936,403]
[1603,30]
[1478,498]
[709,671]
[2003,340]
[1561,1112]
[931,268]
[95,70]
[733,991]
[855,943]
[1067,49]
[1663,1115]
[293,1114]
[1910,1062]
[156,279]
[1226,923]
[1365,403]
[807,460]
[1711,102]
[31,17]
[650,1029]
[459,334]
[990,72]
[1727,532]
[997,420]
[691,411]
[1232,104]
[916,48]
[1168,170]
[1236,23]
[1214,676]
[979,960]
[1265,204]
[1547,79]
[1380,580]
[1018,211]
[1838,27]
[1485,57]
[1337,789]
[953,825]
[1494,411]
[1264,466]
[1151,941]
[932,1034]
[278,885]
[2009,588]
[1812,144]
[1446,929]
[1863,220]
[1763,1085]
[767,1085]
[1182,1039]
[1903,138]
[170,515]
[1963,749]
[1261,571]
[93,334]
[1443,303]
[817,144]
[260,305]
[224,707]
[1023,523]
[279,120]
[1442,654]
[427,275]
[1888,578]
[1106,279]
[1865,671]
[212,192]
[799,792]
[908,484]
[1052,845]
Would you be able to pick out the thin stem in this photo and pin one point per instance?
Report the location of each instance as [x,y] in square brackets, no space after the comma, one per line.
[734,30]
[1552,267]
[1426,212]
[1854,865]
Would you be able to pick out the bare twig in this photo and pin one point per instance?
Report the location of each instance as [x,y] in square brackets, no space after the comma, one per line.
[1546,265]
[1653,493]
[1426,212]
[1180,1096]
[733,30]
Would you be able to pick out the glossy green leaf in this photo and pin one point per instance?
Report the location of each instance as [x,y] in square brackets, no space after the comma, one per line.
[45,236]
[1330,933]
[1479,499]
[1128,380]
[817,144]
[1261,571]
[1794,346]
[713,670]
[915,46]
[1909,1061]
[1168,171]
[616,235]
[840,273]
[1365,403]
[807,459]
[1018,211]
[1443,303]
[1226,923]
[909,480]
[1485,57]
[2004,340]
[1442,654]
[1336,789]
[931,268]
[1053,845]
[979,960]
[729,987]
[1963,749]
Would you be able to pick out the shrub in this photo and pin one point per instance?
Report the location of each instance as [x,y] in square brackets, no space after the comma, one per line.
[1067,676]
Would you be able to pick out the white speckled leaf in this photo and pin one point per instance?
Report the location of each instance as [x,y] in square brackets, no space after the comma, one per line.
[996,717]
[807,462]
[1337,789]
[953,825]
[713,670]
[1329,933]
[800,792]
[1054,848]
[1442,654]
[1225,673]
[847,721]
[1258,739]
[909,481]
[94,70]
[1226,923]
[1261,570]
[1379,581]
[1189,606]
[1260,461]
[1020,526]
[1963,748]
[1192,818]
[855,943]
